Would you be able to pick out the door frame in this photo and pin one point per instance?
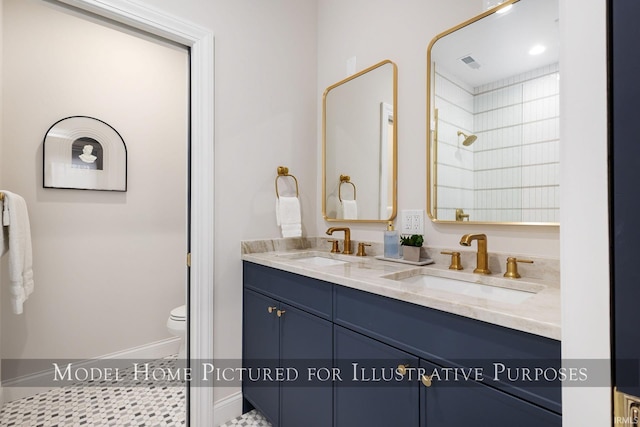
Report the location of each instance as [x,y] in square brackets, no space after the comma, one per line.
[200,41]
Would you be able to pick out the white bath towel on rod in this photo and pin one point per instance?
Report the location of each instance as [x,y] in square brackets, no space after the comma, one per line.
[16,239]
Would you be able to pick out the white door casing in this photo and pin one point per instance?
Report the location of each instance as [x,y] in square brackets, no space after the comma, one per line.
[200,42]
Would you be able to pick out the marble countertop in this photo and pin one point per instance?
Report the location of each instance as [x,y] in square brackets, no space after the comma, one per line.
[538,314]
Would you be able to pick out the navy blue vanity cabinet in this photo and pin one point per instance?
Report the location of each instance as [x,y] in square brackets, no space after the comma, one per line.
[465,402]
[261,349]
[450,340]
[365,337]
[372,392]
[287,336]
[305,346]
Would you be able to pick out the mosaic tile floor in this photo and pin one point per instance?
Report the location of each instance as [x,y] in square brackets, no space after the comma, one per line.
[129,405]
[250,419]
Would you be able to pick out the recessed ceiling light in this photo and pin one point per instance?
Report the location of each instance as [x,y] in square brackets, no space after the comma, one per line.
[537,49]
[504,9]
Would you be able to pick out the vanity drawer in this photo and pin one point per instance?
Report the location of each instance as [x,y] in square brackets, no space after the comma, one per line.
[452,340]
[441,405]
[311,295]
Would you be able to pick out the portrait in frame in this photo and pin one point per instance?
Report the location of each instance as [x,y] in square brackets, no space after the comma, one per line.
[84,153]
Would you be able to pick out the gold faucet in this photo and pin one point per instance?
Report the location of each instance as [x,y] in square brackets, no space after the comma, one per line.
[347,238]
[482,266]
[512,267]
[461,216]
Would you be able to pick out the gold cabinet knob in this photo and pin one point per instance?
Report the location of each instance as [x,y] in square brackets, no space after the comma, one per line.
[361,251]
[270,309]
[455,260]
[334,246]
[512,267]
[279,313]
[402,369]
[426,380]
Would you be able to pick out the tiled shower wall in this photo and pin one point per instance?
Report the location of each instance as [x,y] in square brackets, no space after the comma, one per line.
[455,181]
[514,162]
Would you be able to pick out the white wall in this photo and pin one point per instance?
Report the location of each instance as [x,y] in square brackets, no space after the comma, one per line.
[266,109]
[584,203]
[108,266]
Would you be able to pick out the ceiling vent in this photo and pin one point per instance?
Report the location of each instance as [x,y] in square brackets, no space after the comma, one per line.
[471,63]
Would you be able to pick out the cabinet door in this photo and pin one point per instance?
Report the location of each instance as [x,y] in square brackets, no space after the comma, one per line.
[261,352]
[624,201]
[449,403]
[364,397]
[306,346]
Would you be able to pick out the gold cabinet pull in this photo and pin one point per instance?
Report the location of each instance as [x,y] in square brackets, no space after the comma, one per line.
[402,369]
[426,380]
[270,309]
[279,313]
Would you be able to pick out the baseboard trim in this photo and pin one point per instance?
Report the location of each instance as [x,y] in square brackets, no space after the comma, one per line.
[227,408]
[17,388]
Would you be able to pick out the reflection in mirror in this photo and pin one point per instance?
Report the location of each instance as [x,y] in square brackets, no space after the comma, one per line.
[493,112]
[359,146]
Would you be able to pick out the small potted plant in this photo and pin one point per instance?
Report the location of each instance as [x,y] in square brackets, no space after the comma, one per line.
[412,245]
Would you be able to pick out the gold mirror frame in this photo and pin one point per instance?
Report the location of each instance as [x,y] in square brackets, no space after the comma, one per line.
[345,179]
[432,135]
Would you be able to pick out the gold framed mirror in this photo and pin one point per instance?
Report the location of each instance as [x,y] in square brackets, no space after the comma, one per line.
[493,117]
[359,146]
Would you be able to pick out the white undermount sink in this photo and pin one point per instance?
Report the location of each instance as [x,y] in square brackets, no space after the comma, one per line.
[315,258]
[321,261]
[517,294]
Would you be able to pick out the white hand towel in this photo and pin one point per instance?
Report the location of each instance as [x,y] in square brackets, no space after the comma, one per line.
[20,253]
[349,209]
[291,230]
[288,216]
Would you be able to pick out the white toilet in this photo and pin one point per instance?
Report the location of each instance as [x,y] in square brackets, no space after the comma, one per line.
[177,325]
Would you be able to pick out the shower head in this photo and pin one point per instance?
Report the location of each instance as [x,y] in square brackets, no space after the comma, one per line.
[468,139]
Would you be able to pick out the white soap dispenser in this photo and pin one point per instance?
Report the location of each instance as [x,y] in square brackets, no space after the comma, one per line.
[391,242]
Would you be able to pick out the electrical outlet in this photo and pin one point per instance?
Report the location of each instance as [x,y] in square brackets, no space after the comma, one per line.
[412,221]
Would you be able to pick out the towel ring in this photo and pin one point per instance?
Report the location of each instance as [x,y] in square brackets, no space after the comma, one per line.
[284,171]
[1,196]
[346,179]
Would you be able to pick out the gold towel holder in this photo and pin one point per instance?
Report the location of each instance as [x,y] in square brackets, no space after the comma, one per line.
[1,196]
[284,171]
[346,179]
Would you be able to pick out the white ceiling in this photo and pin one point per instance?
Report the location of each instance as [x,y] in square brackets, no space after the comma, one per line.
[500,43]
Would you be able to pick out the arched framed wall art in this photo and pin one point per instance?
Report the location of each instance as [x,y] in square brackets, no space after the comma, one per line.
[84,153]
